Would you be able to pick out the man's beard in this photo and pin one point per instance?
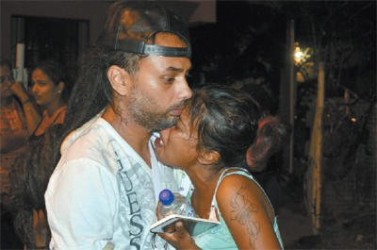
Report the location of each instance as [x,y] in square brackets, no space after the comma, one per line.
[145,112]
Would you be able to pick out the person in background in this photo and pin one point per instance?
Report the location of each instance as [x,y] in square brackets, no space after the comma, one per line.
[13,134]
[270,137]
[30,173]
[209,143]
[271,134]
[104,190]
[50,92]
[14,110]
[266,163]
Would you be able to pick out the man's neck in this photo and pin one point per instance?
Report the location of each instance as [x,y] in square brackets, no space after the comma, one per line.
[134,134]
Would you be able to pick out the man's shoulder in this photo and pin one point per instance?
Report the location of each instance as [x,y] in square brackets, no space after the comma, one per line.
[95,133]
[93,142]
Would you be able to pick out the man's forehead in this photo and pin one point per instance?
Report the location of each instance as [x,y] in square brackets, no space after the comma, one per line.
[168,64]
[169,40]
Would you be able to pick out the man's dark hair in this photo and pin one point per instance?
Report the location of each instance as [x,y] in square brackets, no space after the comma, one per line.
[92,91]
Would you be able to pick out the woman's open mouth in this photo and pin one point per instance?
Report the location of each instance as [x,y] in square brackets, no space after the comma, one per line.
[158,142]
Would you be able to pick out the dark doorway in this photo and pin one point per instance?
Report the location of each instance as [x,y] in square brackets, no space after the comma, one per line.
[49,38]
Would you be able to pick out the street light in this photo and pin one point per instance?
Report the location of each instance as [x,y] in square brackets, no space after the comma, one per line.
[301,56]
[304,64]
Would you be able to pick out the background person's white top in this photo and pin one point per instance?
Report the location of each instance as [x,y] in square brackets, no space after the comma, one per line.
[102,193]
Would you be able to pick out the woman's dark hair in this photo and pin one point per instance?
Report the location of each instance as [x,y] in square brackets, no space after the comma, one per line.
[29,178]
[226,120]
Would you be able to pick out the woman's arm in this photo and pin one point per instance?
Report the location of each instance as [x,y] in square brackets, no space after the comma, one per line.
[245,211]
[32,115]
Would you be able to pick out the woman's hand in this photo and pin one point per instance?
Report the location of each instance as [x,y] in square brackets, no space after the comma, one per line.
[19,91]
[176,233]
[178,237]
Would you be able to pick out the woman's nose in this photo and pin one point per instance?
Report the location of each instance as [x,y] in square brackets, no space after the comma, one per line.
[34,89]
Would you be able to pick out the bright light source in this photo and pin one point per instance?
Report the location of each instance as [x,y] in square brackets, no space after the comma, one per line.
[300,56]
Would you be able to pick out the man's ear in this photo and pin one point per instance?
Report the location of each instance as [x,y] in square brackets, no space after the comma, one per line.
[119,79]
[208,157]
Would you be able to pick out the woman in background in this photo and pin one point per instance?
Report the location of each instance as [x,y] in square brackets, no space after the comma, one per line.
[31,173]
[50,92]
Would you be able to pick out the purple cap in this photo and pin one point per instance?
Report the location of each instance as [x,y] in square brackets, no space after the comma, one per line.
[166,197]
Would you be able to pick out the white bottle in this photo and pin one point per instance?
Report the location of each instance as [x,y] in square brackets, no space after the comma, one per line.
[174,203]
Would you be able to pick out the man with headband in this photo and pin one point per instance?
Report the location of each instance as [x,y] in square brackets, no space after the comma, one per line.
[103,192]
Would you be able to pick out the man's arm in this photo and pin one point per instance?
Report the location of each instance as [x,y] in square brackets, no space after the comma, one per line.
[81,207]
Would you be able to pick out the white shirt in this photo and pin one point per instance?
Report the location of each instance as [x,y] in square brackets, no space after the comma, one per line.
[102,194]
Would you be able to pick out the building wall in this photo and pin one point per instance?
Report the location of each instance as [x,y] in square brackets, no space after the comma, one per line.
[93,11]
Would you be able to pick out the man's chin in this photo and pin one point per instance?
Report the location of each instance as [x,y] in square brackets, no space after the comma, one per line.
[170,122]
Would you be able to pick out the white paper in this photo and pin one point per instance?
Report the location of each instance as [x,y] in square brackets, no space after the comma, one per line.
[194,225]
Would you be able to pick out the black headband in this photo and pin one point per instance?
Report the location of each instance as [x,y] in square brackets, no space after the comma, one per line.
[140,47]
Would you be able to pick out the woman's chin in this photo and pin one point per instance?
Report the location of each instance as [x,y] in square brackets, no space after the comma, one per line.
[170,166]
[165,162]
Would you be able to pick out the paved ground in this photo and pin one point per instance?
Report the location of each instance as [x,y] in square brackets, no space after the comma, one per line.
[293,224]
[356,232]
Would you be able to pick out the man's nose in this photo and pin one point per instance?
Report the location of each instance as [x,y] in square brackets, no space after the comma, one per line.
[186,91]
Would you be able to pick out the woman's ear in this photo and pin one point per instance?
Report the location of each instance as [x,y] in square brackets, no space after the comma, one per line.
[61,86]
[208,157]
[119,79]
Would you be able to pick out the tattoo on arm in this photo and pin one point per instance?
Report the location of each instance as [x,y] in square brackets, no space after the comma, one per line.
[242,209]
